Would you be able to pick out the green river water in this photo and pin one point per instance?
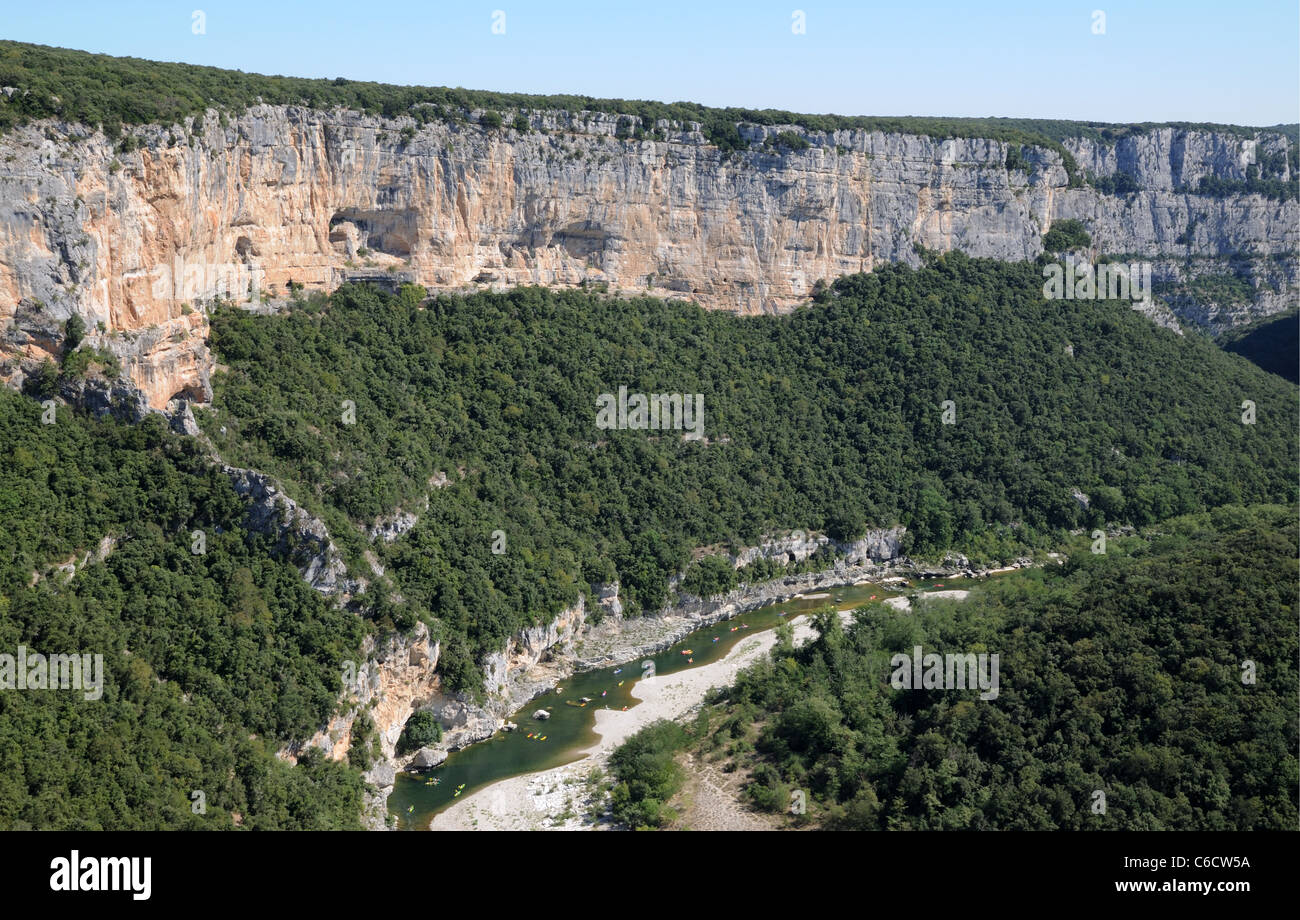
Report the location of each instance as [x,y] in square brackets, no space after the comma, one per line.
[561,739]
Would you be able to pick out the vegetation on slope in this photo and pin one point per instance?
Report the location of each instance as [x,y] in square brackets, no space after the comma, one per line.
[1121,673]
[829,419]
[1273,343]
[210,661]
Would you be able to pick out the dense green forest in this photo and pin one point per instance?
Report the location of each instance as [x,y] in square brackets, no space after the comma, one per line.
[211,660]
[828,419]
[1122,673]
[97,89]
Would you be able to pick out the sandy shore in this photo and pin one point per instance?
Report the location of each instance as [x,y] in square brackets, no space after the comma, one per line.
[902,603]
[535,800]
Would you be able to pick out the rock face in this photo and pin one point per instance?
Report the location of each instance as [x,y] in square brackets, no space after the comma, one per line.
[426,758]
[288,193]
[607,596]
[526,649]
[399,676]
[875,546]
[298,533]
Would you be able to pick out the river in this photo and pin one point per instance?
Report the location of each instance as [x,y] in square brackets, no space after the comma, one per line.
[543,744]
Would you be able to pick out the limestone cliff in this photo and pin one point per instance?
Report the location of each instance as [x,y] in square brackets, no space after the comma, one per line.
[240,207]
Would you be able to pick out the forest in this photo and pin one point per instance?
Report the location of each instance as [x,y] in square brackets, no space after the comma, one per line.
[213,660]
[943,398]
[1065,415]
[1151,687]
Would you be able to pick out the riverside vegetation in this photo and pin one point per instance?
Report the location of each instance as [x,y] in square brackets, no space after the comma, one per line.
[1160,674]
[827,419]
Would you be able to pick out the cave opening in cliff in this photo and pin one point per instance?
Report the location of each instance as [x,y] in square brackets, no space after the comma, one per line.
[392,233]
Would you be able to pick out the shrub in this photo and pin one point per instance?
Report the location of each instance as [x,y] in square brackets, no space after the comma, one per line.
[787,140]
[74,330]
[1066,234]
[421,730]
[648,775]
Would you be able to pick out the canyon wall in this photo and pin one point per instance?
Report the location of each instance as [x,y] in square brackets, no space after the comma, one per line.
[239,207]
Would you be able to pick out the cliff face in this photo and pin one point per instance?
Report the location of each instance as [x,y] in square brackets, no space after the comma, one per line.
[284,193]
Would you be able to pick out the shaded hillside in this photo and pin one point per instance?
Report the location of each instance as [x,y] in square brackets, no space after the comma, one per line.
[1273,344]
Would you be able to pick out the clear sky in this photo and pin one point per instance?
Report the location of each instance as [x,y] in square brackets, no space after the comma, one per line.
[1157,60]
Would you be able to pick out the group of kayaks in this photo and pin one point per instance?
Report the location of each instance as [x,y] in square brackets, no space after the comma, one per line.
[535,736]
[433,781]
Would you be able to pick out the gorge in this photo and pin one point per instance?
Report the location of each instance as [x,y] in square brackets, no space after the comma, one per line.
[462,278]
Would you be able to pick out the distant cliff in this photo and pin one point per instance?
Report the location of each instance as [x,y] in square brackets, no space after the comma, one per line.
[131,236]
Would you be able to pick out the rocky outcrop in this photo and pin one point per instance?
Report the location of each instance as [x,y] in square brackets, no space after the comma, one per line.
[391,526]
[522,652]
[239,208]
[607,598]
[398,676]
[879,545]
[299,535]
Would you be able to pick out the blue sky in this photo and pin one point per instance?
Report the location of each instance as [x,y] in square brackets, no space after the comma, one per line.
[1158,60]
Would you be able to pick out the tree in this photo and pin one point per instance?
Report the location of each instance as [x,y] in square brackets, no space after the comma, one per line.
[74,330]
[422,729]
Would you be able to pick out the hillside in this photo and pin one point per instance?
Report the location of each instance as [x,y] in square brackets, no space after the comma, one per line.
[829,419]
[1122,674]
[1272,343]
[211,661]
